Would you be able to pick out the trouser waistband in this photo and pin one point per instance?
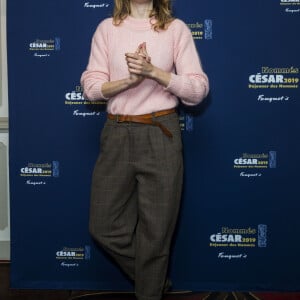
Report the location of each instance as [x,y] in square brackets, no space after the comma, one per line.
[145,119]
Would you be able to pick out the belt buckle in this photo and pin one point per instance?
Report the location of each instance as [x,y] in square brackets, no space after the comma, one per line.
[117,118]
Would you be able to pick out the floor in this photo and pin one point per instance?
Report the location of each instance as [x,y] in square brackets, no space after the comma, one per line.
[8,294]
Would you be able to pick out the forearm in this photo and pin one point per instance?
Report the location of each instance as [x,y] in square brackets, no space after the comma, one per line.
[112,88]
[160,76]
[190,88]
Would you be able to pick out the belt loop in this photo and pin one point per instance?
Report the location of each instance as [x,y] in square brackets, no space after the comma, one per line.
[117,118]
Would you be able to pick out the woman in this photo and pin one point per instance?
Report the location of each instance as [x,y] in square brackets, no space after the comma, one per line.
[142,60]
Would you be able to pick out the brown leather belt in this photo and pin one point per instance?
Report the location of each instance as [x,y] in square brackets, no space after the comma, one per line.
[145,119]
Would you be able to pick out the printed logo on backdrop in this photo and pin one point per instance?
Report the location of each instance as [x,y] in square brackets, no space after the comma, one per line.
[290,6]
[274,84]
[96,4]
[72,257]
[202,30]
[45,47]
[37,174]
[253,164]
[81,107]
[233,243]
[186,122]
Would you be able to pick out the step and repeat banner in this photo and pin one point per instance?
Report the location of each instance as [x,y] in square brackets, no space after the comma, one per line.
[239,223]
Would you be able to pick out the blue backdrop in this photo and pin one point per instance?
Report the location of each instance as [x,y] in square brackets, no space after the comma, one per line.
[239,224]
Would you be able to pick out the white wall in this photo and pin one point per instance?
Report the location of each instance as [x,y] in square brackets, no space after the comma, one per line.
[4,199]
[4,178]
[3,53]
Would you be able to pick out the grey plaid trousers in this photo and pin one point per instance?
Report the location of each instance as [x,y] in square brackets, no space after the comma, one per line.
[136,191]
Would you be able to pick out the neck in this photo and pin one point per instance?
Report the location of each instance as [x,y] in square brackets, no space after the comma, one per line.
[141,10]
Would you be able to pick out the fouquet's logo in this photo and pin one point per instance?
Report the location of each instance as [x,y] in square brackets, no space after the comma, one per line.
[95,5]
[291,6]
[273,99]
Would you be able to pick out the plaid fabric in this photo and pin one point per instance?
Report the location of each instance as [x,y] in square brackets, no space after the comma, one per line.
[136,191]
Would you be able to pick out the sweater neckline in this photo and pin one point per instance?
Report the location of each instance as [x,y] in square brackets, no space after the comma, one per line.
[139,24]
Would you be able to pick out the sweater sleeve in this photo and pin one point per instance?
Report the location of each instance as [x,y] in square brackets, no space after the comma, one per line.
[97,71]
[189,83]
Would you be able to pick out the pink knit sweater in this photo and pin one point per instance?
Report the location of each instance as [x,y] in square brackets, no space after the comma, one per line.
[172,50]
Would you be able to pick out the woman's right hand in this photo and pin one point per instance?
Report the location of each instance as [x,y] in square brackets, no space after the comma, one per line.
[135,79]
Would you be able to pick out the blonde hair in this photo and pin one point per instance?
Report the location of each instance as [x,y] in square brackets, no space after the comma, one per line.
[161,11]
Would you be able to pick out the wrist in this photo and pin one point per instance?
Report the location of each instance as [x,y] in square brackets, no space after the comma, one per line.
[154,73]
[133,80]
[161,76]
[129,82]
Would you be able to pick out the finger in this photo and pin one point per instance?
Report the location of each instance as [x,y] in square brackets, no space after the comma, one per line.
[137,62]
[138,50]
[132,55]
[134,71]
[134,66]
[146,57]
[145,52]
[135,57]
[143,56]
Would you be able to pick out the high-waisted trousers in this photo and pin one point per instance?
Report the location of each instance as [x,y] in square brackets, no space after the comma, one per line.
[135,199]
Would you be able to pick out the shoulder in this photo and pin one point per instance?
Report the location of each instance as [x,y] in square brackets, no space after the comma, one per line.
[180,31]
[103,30]
[179,25]
[105,25]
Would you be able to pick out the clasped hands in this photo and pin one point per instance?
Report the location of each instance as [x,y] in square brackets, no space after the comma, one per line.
[139,64]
